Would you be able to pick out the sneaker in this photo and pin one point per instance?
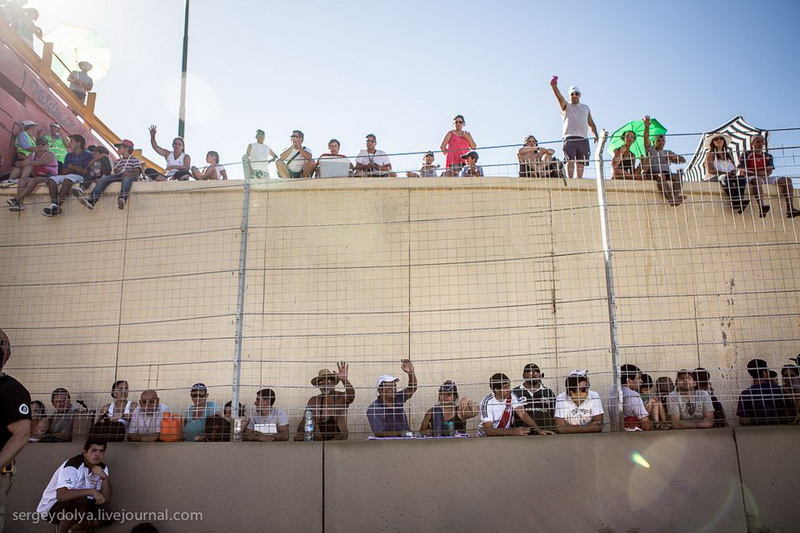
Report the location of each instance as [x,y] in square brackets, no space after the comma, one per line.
[87,202]
[793,213]
[763,211]
[15,205]
[77,192]
[121,202]
[52,210]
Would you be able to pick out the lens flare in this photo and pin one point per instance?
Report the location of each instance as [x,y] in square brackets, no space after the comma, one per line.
[638,459]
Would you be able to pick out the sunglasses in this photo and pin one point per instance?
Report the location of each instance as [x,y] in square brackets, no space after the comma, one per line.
[459,121]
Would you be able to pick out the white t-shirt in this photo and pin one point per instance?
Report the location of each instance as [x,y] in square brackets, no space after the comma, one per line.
[259,155]
[378,158]
[144,424]
[578,415]
[297,164]
[73,474]
[492,409]
[632,404]
[576,120]
[270,423]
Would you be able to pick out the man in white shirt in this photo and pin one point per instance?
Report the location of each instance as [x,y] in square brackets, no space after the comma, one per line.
[498,409]
[268,424]
[372,162]
[296,161]
[634,413]
[576,117]
[78,490]
[145,424]
[578,409]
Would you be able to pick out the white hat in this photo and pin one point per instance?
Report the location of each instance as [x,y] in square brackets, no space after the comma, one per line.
[713,135]
[26,123]
[579,373]
[574,89]
[386,378]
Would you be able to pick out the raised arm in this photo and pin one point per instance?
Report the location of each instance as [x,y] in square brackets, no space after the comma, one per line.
[349,391]
[646,121]
[160,151]
[408,367]
[562,104]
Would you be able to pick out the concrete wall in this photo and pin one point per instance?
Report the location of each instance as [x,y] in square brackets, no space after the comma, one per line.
[679,481]
[466,277]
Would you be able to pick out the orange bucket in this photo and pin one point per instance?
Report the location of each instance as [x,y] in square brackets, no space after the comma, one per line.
[171,428]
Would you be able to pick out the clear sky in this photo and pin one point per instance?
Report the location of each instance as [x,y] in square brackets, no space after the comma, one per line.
[403,69]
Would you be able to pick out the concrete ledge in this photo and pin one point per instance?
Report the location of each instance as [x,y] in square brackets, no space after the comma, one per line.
[769,474]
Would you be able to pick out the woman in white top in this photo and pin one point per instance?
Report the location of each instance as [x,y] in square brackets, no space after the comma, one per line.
[259,156]
[214,171]
[178,161]
[121,408]
[720,166]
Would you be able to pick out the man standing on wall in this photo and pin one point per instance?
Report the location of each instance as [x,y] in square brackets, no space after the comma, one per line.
[577,120]
[537,400]
[15,424]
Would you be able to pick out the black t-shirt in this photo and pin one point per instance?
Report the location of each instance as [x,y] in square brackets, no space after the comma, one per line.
[540,405]
[15,404]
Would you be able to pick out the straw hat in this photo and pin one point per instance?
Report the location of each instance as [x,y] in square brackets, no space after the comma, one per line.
[324,374]
[714,135]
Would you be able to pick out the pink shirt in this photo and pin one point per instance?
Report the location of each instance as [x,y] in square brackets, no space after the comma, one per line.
[456,147]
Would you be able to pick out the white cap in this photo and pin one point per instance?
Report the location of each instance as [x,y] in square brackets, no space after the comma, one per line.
[579,373]
[574,89]
[27,123]
[386,378]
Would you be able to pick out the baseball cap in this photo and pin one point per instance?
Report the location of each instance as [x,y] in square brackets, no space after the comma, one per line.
[473,153]
[386,378]
[429,154]
[199,387]
[448,387]
[125,142]
[574,89]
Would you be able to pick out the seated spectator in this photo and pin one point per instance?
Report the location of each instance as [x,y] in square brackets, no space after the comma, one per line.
[57,143]
[227,414]
[121,408]
[578,409]
[78,490]
[61,421]
[664,386]
[99,166]
[427,170]
[720,166]
[32,172]
[623,164]
[538,400]
[268,424]
[471,168]
[127,170]
[757,166]
[297,160]
[689,407]
[80,83]
[76,165]
[499,408]
[219,428]
[214,171]
[178,161]
[456,143]
[259,156]
[195,422]
[702,381]
[658,413]
[764,402]
[450,415]
[329,407]
[373,163]
[145,423]
[332,153]
[790,382]
[656,166]
[534,161]
[634,413]
[25,141]
[39,421]
[386,414]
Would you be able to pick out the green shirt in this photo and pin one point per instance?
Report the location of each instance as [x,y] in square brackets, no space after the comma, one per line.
[57,146]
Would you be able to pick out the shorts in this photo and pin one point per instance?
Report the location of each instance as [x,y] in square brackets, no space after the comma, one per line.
[74,178]
[576,148]
[293,174]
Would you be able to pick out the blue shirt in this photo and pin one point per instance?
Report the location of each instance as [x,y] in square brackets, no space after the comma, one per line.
[384,418]
[764,404]
[197,426]
[79,160]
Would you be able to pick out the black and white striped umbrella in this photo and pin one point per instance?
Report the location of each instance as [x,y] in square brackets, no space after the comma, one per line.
[739,132]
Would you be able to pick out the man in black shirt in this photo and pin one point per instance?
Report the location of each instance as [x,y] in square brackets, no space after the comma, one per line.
[537,400]
[15,424]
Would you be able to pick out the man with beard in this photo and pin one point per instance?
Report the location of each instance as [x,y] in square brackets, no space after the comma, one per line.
[329,408]
[537,400]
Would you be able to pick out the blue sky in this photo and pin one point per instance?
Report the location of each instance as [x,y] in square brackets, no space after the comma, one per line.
[402,70]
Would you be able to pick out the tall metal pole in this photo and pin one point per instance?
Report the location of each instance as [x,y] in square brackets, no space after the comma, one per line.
[182,110]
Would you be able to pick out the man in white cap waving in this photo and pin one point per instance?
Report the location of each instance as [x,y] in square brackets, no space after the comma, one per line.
[577,120]
[386,414]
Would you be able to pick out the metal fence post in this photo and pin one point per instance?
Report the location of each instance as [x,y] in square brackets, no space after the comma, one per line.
[236,430]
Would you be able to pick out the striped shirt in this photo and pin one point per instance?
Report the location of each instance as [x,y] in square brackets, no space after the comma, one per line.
[128,165]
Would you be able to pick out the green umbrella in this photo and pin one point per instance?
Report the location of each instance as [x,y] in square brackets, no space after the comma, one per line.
[637,127]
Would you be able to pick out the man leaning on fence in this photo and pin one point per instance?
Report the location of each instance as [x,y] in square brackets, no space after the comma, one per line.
[634,414]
